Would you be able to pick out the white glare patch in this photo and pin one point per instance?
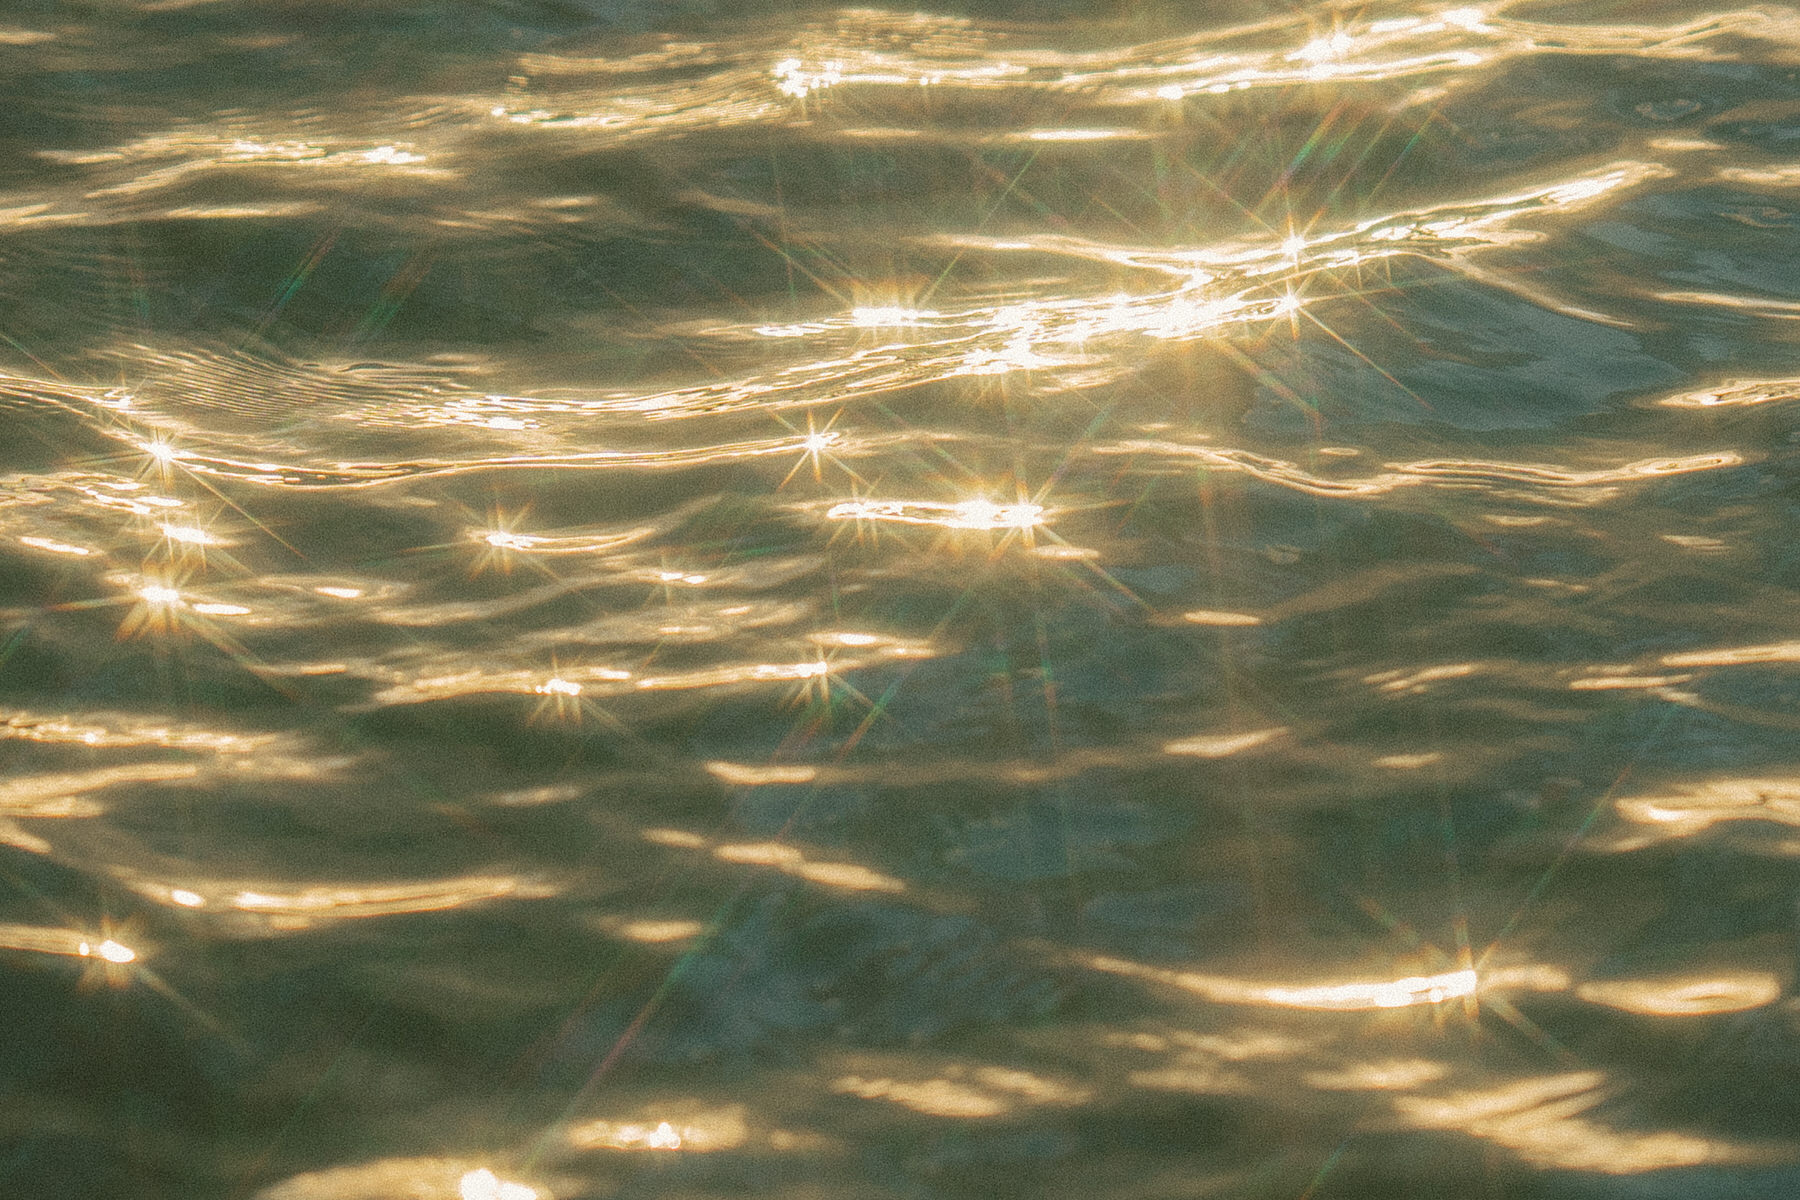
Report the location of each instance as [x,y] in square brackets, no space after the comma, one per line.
[485,1185]
[186,898]
[391,155]
[341,593]
[1321,49]
[1466,18]
[53,546]
[504,540]
[1169,91]
[1400,993]
[559,687]
[817,443]
[162,452]
[157,594]
[985,514]
[874,317]
[191,534]
[1582,189]
[664,1137]
[794,80]
[112,952]
[221,610]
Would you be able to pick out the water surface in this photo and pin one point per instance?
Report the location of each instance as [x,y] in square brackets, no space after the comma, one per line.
[1049,600]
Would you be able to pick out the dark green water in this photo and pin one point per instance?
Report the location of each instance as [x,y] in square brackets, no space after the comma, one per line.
[1123,600]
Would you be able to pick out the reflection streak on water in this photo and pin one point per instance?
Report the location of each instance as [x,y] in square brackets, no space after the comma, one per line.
[1335,997]
[1541,1121]
[71,943]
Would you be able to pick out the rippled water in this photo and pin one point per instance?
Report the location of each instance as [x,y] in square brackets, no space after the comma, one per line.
[627,598]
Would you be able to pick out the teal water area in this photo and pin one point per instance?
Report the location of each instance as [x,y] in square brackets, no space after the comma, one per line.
[1039,600]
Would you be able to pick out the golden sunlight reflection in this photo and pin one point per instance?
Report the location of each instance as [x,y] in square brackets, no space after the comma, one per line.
[1332,997]
[1598,485]
[1414,683]
[1541,1121]
[117,729]
[70,943]
[753,775]
[691,1132]
[1223,745]
[1774,652]
[652,932]
[791,861]
[964,1092]
[904,771]
[54,546]
[302,909]
[1394,1074]
[967,514]
[1690,996]
[1408,762]
[1197,292]
[783,857]
[1228,619]
[61,793]
[1691,807]
[209,608]
[1738,392]
[1613,683]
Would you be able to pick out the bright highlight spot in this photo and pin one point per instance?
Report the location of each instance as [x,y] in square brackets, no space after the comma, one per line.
[157,594]
[485,1185]
[112,952]
[186,898]
[559,687]
[191,534]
